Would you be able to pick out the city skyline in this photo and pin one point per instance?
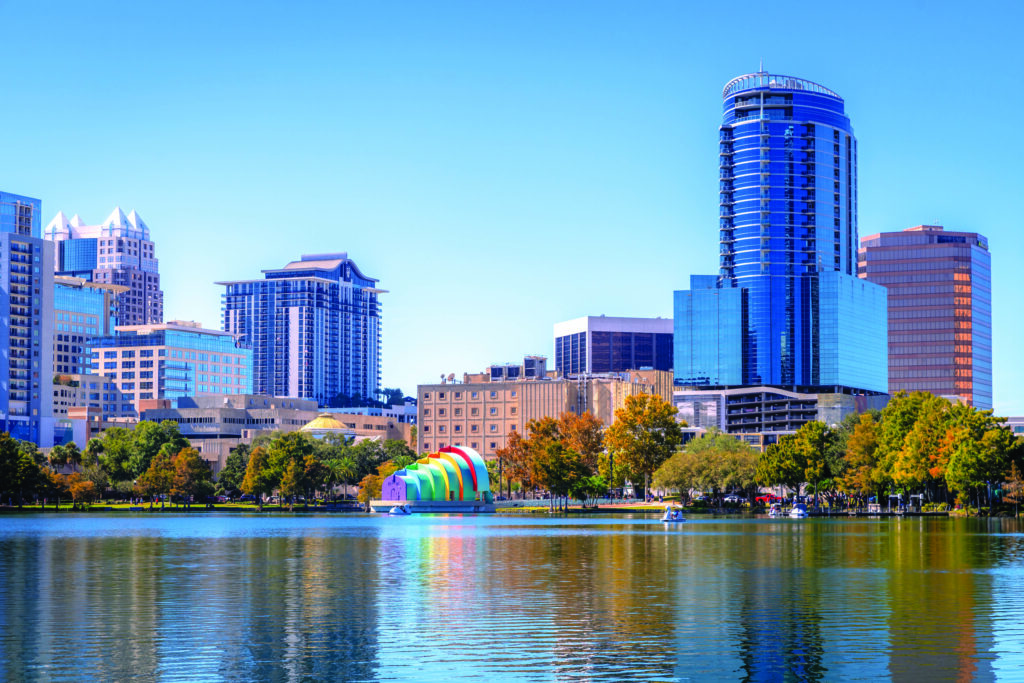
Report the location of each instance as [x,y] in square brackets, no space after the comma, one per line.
[493,166]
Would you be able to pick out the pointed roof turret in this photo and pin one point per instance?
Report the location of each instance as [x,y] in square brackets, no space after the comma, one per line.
[116,219]
[76,221]
[136,220]
[57,228]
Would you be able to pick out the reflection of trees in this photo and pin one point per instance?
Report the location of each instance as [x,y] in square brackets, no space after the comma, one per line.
[591,603]
[935,584]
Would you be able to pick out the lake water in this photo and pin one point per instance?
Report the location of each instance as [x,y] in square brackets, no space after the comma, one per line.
[114,597]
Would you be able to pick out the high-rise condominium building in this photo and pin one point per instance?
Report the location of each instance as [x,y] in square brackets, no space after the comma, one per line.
[786,308]
[313,326]
[940,309]
[172,360]
[117,251]
[595,344]
[26,322]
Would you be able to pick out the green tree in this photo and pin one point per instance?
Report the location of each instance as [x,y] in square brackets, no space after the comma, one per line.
[912,463]
[158,478]
[398,452]
[192,476]
[117,454]
[292,483]
[813,444]
[778,466]
[713,462]
[233,472]
[21,475]
[92,452]
[148,438]
[259,475]
[561,470]
[368,455]
[645,434]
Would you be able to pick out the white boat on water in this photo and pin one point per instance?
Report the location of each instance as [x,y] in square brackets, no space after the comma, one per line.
[673,514]
[799,511]
[775,510]
[400,510]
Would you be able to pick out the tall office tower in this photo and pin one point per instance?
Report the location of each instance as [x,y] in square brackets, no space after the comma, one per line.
[82,310]
[26,322]
[117,251]
[940,309]
[313,326]
[596,344]
[788,236]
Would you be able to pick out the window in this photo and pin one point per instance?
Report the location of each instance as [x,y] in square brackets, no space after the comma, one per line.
[513,393]
[426,412]
[494,445]
[426,395]
[441,412]
[426,428]
[458,412]
[494,394]
[473,394]
[440,395]
[458,394]
[440,428]
[474,411]
[512,410]
[494,428]
[494,411]
[474,428]
[457,428]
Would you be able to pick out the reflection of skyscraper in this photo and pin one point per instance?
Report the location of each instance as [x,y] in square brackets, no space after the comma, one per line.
[786,308]
[940,309]
[117,251]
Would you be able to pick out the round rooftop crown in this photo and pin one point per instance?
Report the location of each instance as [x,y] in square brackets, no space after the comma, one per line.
[763,79]
[323,421]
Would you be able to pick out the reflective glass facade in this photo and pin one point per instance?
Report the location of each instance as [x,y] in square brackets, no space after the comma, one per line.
[788,240]
[708,334]
[172,360]
[598,344]
[940,310]
[77,257]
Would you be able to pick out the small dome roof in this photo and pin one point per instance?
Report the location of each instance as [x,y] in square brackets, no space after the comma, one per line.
[324,422]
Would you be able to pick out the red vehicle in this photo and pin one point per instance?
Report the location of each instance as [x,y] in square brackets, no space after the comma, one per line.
[768,499]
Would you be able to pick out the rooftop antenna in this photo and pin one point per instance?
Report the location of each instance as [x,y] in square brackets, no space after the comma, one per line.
[760,66]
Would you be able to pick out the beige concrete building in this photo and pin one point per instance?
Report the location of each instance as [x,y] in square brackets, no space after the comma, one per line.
[482,415]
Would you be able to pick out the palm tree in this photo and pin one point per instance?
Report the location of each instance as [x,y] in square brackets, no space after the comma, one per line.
[340,470]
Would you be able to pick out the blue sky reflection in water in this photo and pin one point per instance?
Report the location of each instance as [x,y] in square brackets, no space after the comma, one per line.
[241,598]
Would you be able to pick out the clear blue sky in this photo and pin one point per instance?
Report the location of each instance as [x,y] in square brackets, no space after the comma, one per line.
[498,166]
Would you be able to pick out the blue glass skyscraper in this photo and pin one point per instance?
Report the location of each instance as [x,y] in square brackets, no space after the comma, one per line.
[788,243]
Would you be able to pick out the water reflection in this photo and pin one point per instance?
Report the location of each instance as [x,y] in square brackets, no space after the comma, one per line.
[433,597]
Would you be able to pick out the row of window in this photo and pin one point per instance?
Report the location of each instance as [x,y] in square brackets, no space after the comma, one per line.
[472,444]
[442,412]
[472,428]
[441,395]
